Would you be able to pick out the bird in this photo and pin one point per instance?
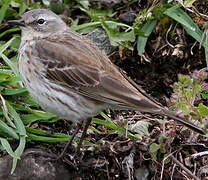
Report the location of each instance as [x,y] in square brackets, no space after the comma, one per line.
[69,76]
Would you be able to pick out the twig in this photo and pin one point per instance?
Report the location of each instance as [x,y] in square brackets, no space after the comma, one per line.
[163,164]
[184,168]
[204,153]
[166,37]
[173,171]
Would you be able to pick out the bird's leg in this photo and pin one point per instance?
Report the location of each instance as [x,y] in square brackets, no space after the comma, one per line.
[83,135]
[79,125]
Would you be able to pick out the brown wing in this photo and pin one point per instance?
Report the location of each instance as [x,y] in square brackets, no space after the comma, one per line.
[79,65]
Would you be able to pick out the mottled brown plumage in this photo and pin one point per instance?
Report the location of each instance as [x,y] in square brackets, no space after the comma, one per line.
[70,77]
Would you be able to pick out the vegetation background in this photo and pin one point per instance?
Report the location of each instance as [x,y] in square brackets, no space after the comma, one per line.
[162,45]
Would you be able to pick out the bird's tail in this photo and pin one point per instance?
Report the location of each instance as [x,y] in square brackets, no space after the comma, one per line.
[184,121]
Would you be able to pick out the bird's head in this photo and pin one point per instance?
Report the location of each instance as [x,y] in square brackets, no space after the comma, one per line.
[39,23]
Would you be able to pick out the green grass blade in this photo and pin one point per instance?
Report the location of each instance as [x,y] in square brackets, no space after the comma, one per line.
[17,120]
[11,64]
[8,130]
[105,116]
[97,24]
[30,118]
[39,132]
[180,16]
[142,41]
[21,146]
[33,137]
[36,116]
[112,126]
[12,92]
[4,9]
[9,31]
[8,148]
[9,121]
[6,45]
[18,152]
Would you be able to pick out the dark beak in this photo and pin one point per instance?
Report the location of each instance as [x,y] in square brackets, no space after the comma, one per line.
[17,22]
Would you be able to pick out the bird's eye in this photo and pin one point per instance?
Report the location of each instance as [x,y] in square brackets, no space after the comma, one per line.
[41,21]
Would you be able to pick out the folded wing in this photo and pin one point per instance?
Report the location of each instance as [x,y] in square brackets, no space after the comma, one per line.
[79,65]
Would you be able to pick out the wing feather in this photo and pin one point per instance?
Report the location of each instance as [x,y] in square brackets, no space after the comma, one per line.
[77,64]
[80,66]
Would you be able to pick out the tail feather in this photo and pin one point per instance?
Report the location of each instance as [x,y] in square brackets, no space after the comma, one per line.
[184,122]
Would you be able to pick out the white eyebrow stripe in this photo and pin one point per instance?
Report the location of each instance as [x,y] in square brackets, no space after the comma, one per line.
[46,17]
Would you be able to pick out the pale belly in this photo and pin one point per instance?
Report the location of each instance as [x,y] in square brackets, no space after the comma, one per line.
[56,99]
[62,102]
[67,105]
